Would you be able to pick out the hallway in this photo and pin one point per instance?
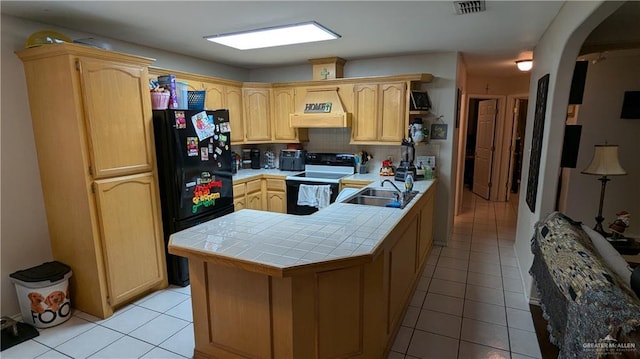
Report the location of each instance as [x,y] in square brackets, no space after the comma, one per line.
[469,302]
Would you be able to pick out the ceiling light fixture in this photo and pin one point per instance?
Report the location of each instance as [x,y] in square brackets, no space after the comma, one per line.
[275,36]
[524,65]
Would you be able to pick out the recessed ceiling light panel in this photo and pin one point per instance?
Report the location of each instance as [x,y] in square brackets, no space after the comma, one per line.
[275,36]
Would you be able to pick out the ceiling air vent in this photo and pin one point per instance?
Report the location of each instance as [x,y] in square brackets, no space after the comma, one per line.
[469,7]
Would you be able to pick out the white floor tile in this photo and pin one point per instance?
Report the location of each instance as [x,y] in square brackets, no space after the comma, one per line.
[484,295]
[164,300]
[401,342]
[484,280]
[159,329]
[89,342]
[182,342]
[418,298]
[485,257]
[124,348]
[455,253]
[484,333]
[395,355]
[423,283]
[28,349]
[159,353]
[476,351]
[485,267]
[428,270]
[429,345]
[524,342]
[454,275]
[411,316]
[453,263]
[184,290]
[130,320]
[516,300]
[54,336]
[439,323]
[444,304]
[485,312]
[182,311]
[520,319]
[446,287]
[53,354]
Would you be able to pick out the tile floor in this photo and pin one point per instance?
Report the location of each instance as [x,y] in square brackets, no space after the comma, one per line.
[469,303]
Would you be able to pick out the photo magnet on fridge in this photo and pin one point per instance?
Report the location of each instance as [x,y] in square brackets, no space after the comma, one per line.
[192,146]
[203,127]
[225,127]
[204,154]
[181,121]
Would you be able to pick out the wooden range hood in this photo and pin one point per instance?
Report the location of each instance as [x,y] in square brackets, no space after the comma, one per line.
[321,108]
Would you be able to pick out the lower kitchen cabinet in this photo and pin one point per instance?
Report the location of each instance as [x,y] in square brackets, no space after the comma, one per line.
[239,196]
[276,195]
[132,242]
[353,184]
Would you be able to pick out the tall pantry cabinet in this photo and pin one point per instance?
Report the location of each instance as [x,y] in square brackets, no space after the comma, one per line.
[91,114]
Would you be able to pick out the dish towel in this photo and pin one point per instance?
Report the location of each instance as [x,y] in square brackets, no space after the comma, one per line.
[323,195]
[314,196]
[307,195]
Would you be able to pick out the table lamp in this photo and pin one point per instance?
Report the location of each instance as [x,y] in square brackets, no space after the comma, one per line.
[604,163]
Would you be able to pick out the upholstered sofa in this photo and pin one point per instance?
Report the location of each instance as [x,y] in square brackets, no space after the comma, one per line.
[586,291]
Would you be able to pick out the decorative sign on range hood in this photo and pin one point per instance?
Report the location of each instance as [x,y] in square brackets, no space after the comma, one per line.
[322,108]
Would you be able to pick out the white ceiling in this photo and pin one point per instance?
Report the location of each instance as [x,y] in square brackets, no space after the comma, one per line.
[490,41]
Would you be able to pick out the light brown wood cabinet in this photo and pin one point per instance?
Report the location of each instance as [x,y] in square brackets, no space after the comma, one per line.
[94,140]
[380,112]
[220,96]
[350,183]
[276,195]
[257,114]
[239,196]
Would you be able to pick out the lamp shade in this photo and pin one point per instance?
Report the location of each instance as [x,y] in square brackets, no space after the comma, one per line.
[605,162]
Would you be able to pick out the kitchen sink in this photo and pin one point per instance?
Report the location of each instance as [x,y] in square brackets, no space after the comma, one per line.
[379,197]
[375,192]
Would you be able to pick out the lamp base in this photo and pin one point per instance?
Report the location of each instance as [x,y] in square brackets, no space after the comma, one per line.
[598,227]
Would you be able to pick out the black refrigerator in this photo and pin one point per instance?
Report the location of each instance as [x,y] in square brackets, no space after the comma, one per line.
[194,173]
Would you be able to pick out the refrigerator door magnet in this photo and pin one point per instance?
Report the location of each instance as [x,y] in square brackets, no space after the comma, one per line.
[204,154]
[192,146]
[181,121]
[201,124]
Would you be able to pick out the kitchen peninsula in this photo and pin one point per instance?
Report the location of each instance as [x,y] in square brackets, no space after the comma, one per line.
[332,284]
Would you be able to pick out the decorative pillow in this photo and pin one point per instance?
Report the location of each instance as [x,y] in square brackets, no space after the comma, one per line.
[609,255]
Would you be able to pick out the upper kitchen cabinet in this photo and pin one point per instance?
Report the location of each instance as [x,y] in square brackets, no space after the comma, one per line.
[380,112]
[96,157]
[227,96]
[219,94]
[257,113]
[283,106]
[118,126]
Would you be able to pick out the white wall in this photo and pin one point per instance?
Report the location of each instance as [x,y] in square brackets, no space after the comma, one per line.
[599,116]
[442,92]
[24,233]
[555,54]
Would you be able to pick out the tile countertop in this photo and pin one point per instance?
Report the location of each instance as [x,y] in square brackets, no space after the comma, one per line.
[283,241]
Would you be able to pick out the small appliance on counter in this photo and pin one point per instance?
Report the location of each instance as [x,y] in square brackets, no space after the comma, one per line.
[292,160]
[255,159]
[269,159]
[406,164]
[246,158]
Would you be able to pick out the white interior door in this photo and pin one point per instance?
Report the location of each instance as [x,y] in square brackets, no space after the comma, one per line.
[484,148]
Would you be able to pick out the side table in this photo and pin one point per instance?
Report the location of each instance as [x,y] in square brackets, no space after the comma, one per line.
[629,249]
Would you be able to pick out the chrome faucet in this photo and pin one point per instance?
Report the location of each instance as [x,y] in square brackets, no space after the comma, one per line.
[399,195]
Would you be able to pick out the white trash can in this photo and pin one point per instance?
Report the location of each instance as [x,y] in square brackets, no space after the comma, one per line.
[43,294]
